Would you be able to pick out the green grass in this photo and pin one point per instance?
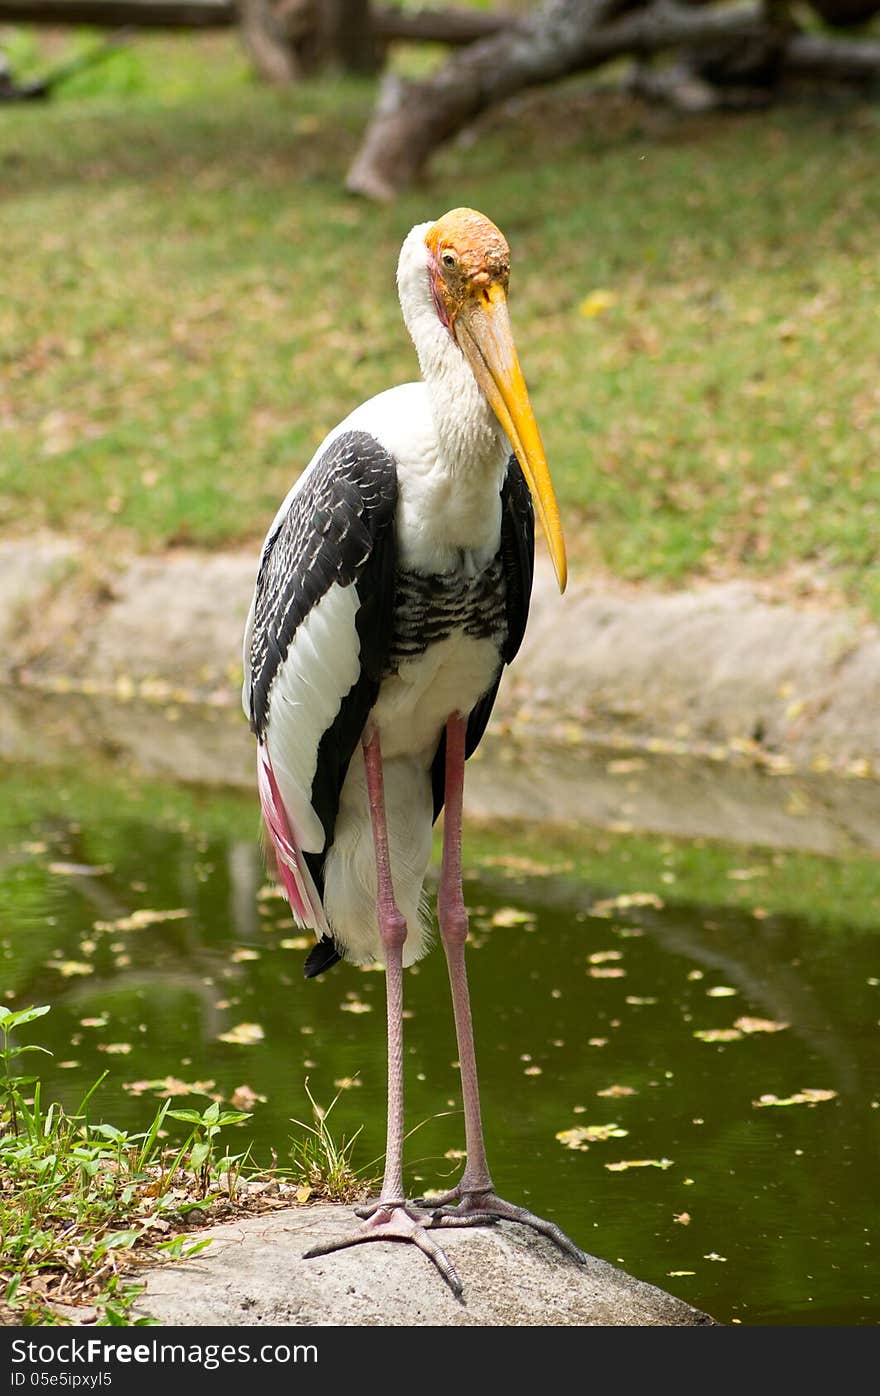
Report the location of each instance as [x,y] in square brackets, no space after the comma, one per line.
[191,301]
[84,1205]
[75,1195]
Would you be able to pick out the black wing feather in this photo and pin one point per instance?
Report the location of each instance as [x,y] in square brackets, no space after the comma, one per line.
[339,530]
[517,551]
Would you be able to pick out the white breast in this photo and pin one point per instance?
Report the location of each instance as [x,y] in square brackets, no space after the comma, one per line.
[414,704]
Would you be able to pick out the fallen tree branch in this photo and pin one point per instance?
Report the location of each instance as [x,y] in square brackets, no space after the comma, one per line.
[825,55]
[564,36]
[439,26]
[111,14]
[452,26]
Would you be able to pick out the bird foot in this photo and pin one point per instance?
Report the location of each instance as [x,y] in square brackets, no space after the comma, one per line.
[397,1221]
[465,1206]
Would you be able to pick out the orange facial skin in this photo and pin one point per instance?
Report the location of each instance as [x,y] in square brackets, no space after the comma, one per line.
[468,255]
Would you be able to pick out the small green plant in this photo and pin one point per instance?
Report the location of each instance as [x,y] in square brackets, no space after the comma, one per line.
[11,1084]
[319,1162]
[79,1200]
[200,1144]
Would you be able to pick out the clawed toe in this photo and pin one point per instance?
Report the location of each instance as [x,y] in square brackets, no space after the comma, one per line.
[394,1222]
[484,1208]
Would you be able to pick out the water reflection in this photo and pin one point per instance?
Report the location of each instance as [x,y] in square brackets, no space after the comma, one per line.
[141,914]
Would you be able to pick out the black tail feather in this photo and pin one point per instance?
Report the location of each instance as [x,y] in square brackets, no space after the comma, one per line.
[321,956]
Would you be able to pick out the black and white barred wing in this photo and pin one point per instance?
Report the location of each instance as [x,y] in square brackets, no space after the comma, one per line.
[316,644]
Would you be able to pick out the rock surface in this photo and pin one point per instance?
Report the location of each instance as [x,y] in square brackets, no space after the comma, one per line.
[608,716]
[715,663]
[254,1273]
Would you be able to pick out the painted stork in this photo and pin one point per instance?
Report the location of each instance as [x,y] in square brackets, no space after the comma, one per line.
[393,587]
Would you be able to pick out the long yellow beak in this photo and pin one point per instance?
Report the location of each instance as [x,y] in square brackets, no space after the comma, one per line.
[483,331]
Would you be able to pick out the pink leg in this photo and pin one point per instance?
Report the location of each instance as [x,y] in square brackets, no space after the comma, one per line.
[453,918]
[474,1194]
[390,1217]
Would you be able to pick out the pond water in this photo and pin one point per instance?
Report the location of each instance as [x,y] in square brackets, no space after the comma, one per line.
[603,969]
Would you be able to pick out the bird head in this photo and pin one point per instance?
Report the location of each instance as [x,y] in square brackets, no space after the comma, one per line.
[469,271]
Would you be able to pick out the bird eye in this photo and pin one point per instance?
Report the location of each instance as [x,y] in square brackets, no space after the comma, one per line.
[449,260]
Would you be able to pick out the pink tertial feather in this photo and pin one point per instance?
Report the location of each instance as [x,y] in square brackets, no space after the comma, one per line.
[299,888]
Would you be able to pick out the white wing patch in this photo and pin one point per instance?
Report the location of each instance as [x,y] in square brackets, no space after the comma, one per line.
[322,665]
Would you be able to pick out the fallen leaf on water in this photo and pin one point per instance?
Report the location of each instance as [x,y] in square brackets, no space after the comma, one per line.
[639,999]
[597,1041]
[271,891]
[615,1091]
[720,991]
[600,956]
[602,972]
[638,1163]
[673,1273]
[116,1049]
[626,899]
[718,1034]
[138,920]
[245,1098]
[80,869]
[244,1034]
[573,1139]
[297,943]
[805,1097]
[759,1025]
[713,1255]
[510,916]
[582,1135]
[169,1085]
[239,956]
[356,1006]
[346,1083]
[69,968]
[683,1218]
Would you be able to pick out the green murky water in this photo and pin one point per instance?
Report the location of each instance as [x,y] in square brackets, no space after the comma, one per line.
[599,965]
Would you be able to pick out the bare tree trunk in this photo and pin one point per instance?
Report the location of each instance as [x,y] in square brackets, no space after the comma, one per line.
[290,39]
[266,39]
[411,118]
[352,40]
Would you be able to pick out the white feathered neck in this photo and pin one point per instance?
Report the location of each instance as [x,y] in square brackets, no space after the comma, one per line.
[468,433]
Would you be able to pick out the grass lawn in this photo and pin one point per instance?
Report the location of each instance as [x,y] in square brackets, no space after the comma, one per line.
[190,300]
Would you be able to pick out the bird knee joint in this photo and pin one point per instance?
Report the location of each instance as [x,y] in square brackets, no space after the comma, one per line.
[392,926]
[453,923]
